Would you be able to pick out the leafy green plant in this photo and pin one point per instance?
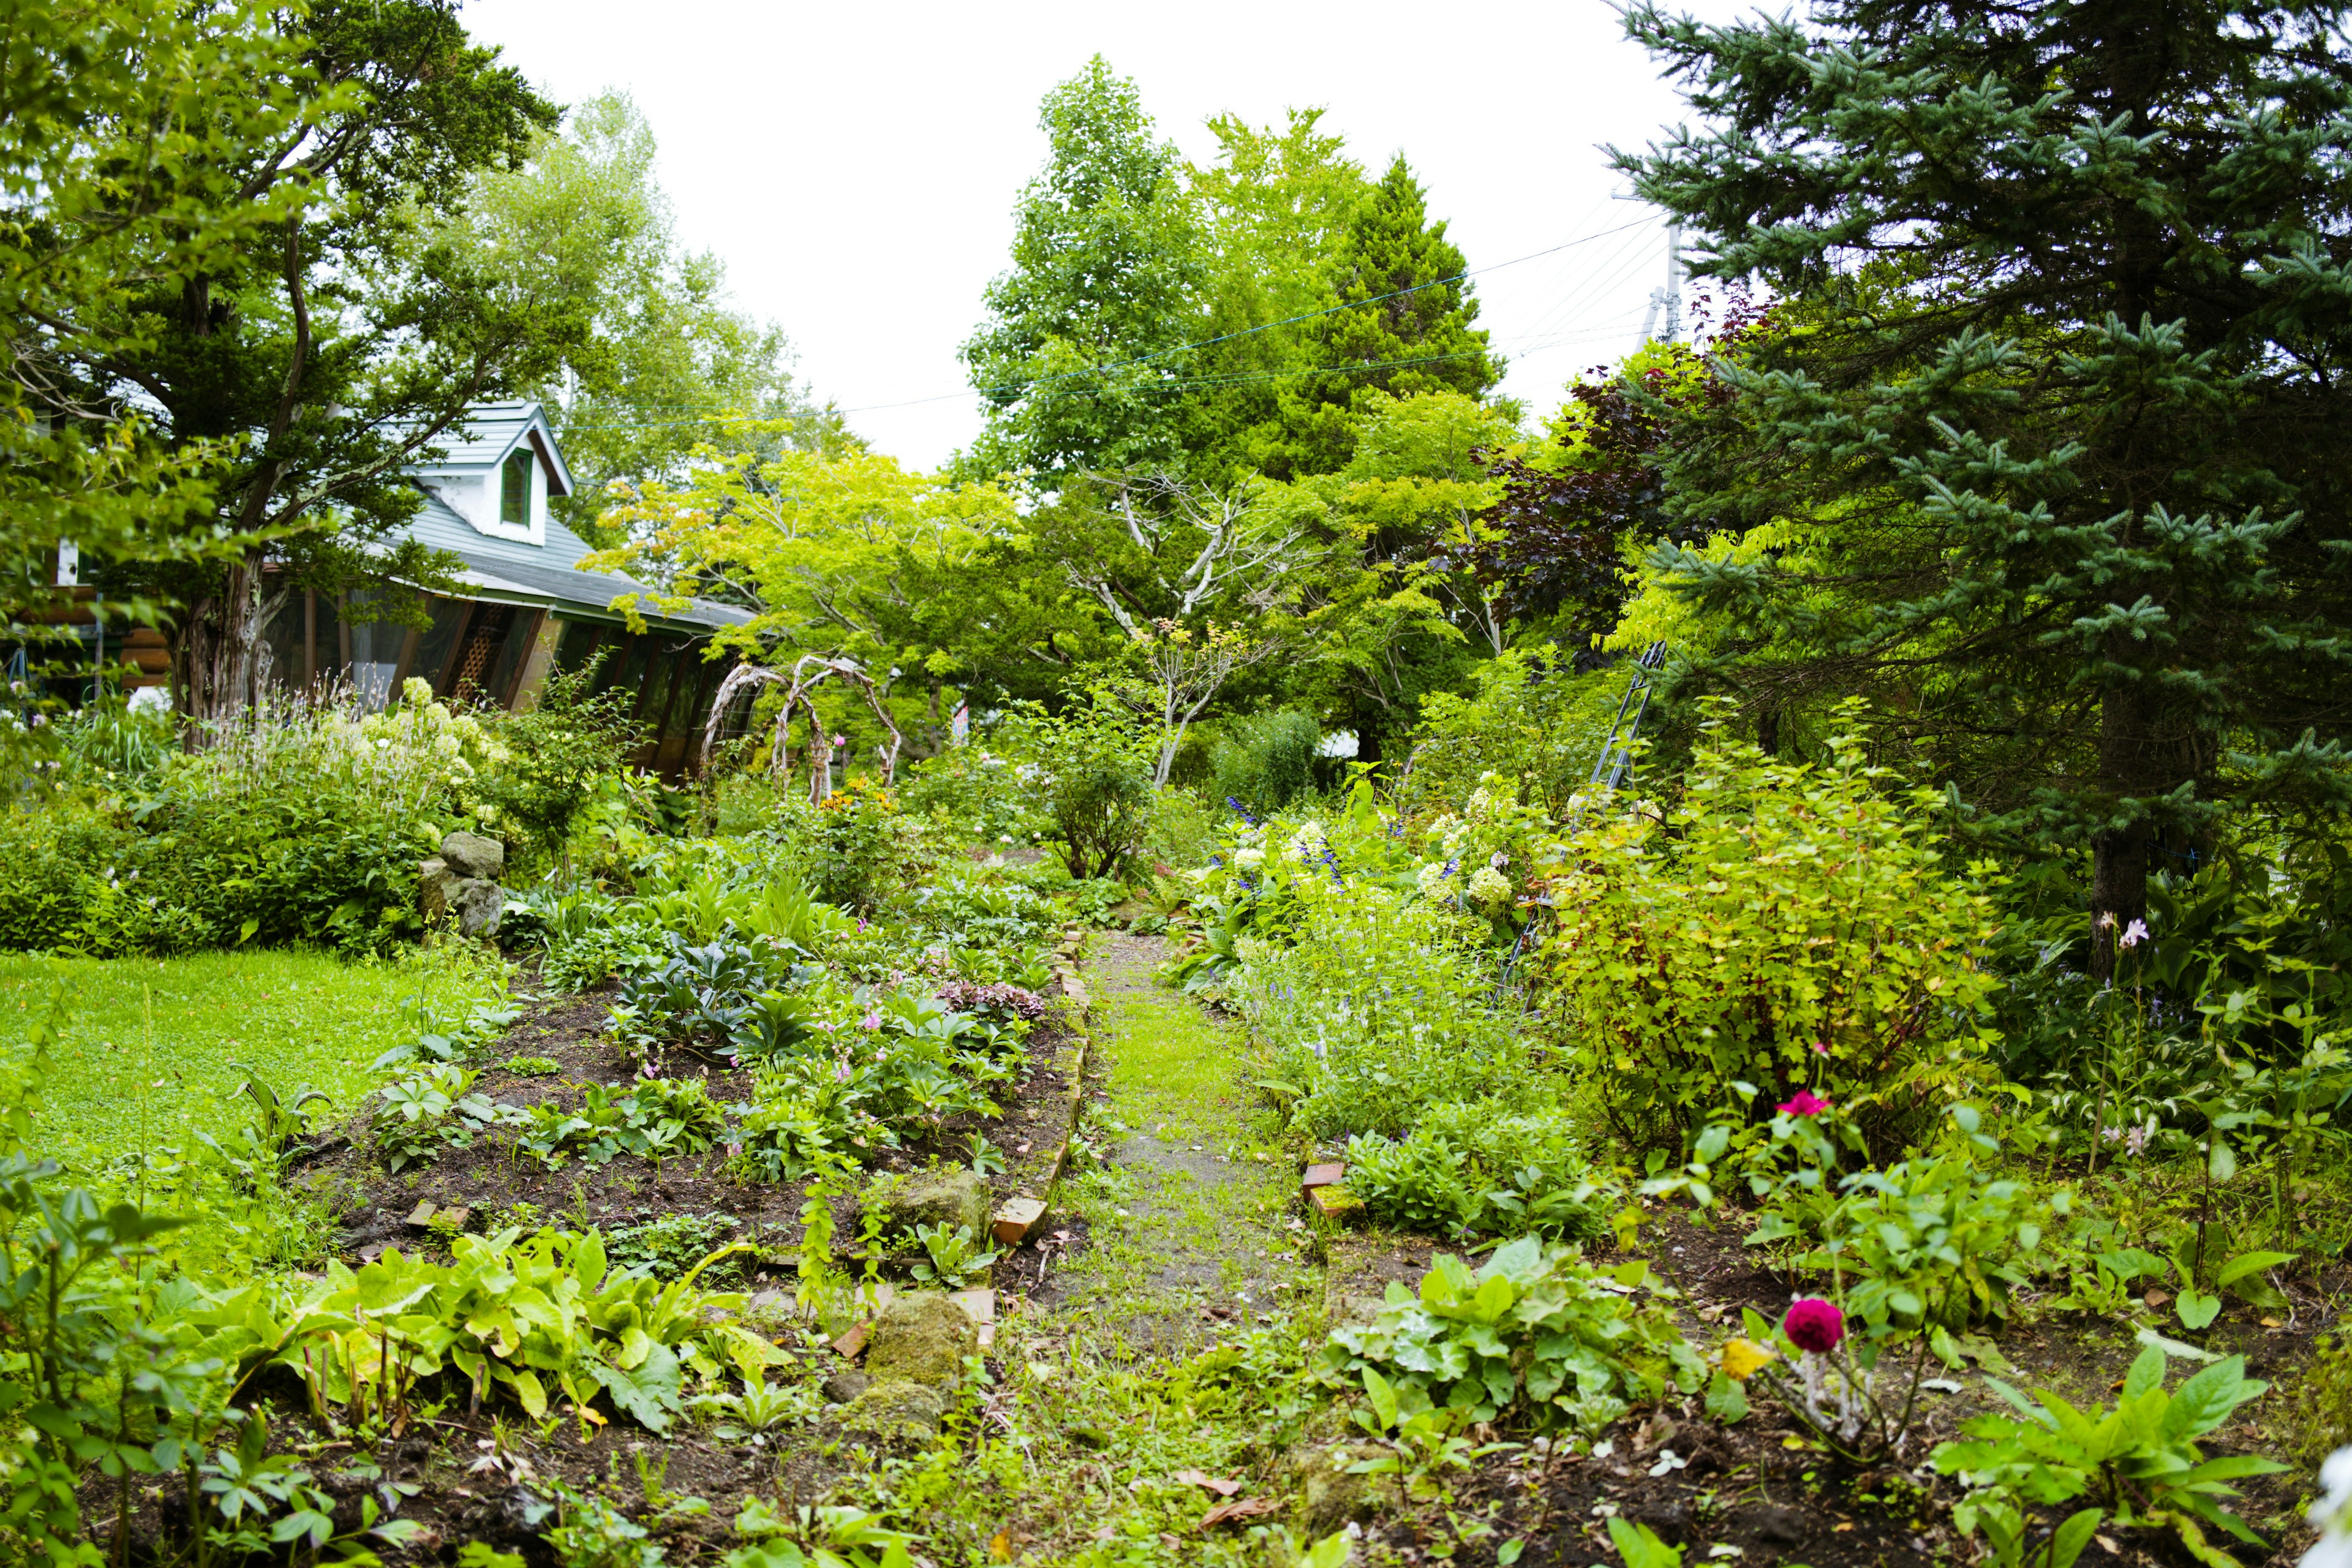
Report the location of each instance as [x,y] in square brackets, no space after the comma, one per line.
[2137,1459]
[1480,1170]
[655,1118]
[1094,765]
[806,1537]
[1535,1333]
[754,1407]
[424,1111]
[667,1246]
[532,1067]
[950,1257]
[1265,760]
[1416,1440]
[536,1319]
[1783,925]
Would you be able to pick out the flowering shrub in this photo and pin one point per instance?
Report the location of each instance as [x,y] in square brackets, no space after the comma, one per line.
[1779,925]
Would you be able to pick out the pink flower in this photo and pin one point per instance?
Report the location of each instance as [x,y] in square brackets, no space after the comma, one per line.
[2134,934]
[871,1021]
[1813,1324]
[1821,1047]
[1807,1103]
[841,1073]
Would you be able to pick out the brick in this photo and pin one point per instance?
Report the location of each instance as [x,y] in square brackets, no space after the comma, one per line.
[421,1216]
[850,1344]
[1323,1175]
[979,1305]
[1335,1202]
[1017,1220]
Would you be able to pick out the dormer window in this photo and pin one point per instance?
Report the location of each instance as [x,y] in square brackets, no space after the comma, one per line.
[514,489]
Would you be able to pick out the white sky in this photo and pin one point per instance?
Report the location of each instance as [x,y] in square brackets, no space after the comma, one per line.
[856,168]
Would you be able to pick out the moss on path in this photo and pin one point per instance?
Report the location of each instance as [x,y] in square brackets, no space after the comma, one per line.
[1188,1221]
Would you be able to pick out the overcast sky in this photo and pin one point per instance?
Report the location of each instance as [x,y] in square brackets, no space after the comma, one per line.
[857,167]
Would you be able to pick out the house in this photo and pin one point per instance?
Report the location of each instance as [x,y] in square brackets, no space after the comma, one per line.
[523,607]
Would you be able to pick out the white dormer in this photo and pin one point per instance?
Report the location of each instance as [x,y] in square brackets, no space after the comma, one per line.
[501,467]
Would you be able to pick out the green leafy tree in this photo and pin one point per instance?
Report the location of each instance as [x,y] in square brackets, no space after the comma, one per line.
[1400,325]
[2054,463]
[666,362]
[342,336]
[125,121]
[1277,205]
[1073,363]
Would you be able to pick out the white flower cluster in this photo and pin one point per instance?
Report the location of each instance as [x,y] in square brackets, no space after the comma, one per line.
[1306,843]
[1489,888]
[1248,859]
[1431,878]
[2333,1514]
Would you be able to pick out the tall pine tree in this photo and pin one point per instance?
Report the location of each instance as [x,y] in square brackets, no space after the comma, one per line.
[1400,325]
[2056,465]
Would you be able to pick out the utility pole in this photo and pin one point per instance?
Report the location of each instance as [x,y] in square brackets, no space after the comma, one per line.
[1670,298]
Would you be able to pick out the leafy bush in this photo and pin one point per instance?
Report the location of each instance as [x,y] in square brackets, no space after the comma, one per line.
[486,1319]
[552,756]
[1096,777]
[862,843]
[1535,1334]
[424,1111]
[2139,1460]
[1781,925]
[980,795]
[1533,719]
[1478,1170]
[1265,760]
[668,1246]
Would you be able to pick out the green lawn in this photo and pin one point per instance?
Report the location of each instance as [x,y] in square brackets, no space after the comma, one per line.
[295,1017]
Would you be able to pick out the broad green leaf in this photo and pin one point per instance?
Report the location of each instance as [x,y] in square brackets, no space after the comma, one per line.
[2197,1309]
[2146,1372]
[2066,1543]
[2247,1263]
[2205,1401]
[1726,1400]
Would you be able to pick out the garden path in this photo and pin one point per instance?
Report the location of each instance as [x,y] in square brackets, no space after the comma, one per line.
[1188,1230]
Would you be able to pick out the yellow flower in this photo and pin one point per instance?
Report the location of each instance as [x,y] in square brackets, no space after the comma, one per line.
[1742,1359]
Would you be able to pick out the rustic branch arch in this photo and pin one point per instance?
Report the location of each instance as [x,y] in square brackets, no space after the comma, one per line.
[808,672]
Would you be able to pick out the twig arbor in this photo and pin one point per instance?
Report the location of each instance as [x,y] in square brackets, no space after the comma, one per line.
[800,684]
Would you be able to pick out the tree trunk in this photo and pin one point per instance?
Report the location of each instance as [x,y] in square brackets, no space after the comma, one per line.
[2118,854]
[223,633]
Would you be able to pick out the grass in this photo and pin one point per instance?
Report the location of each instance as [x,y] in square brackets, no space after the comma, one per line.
[149,1048]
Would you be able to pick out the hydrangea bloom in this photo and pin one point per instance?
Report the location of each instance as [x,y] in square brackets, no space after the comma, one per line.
[1813,1324]
[1489,887]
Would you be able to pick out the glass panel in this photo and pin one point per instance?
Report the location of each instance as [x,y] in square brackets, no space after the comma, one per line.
[657,691]
[440,642]
[514,488]
[375,652]
[578,646]
[524,631]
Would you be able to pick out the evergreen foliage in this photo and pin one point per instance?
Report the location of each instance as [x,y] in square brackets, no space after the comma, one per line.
[2052,461]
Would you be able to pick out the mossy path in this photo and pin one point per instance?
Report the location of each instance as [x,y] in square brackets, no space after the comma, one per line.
[1188,1221]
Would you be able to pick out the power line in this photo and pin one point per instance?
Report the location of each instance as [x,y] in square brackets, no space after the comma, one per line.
[1029,386]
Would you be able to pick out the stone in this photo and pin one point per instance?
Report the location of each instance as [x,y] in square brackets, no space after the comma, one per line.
[435,883]
[948,1196]
[1332,1498]
[891,1407]
[472,855]
[922,1338]
[421,1216]
[478,903]
[979,1305]
[846,1385]
[1017,1220]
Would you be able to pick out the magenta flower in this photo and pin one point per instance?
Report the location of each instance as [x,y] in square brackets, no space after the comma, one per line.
[1813,1324]
[1807,1103]
[871,1021]
[1821,1047]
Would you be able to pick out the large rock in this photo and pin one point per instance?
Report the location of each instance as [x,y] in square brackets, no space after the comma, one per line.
[922,1337]
[950,1196]
[472,904]
[479,903]
[471,854]
[894,1409]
